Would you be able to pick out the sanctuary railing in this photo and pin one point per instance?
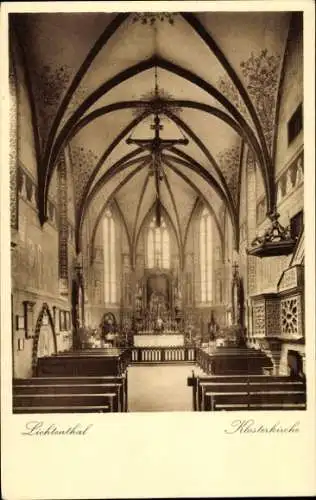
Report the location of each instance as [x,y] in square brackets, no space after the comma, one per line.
[177,354]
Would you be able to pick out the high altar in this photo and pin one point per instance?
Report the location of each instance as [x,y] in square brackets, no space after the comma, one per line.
[158,310]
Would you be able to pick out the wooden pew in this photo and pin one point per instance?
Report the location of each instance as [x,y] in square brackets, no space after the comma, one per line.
[247,392]
[83,364]
[122,356]
[264,400]
[75,385]
[119,381]
[47,403]
[233,360]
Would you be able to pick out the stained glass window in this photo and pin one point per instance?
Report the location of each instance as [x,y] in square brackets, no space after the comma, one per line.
[206,253]
[158,245]
[109,259]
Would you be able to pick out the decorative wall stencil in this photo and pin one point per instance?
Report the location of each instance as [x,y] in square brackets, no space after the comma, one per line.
[229,162]
[261,210]
[291,178]
[259,326]
[291,316]
[251,220]
[84,161]
[13,148]
[50,84]
[229,90]
[27,189]
[63,224]
[152,17]
[261,73]
[79,95]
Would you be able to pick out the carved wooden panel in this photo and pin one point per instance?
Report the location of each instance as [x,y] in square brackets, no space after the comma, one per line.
[272,318]
[291,316]
[259,325]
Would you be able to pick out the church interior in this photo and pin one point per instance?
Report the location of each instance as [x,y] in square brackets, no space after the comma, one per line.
[157,211]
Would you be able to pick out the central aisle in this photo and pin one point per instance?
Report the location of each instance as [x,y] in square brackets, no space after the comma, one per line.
[160,387]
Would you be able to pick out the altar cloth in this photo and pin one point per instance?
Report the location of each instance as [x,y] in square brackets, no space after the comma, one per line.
[159,340]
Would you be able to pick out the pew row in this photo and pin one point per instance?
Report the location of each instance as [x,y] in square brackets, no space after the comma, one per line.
[254,392]
[92,362]
[233,361]
[69,394]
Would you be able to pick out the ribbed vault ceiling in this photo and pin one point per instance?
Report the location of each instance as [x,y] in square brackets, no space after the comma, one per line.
[87,72]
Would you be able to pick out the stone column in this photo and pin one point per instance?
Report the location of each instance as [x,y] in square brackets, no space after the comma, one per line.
[251,233]
[63,225]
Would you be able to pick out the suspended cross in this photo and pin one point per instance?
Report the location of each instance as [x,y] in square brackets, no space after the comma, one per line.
[155,146]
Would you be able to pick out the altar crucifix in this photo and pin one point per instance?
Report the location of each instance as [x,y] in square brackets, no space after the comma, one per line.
[156,146]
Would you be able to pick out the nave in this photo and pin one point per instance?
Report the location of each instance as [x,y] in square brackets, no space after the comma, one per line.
[157,212]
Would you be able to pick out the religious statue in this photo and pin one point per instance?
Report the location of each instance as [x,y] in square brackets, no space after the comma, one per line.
[177,301]
[139,298]
[157,304]
[160,324]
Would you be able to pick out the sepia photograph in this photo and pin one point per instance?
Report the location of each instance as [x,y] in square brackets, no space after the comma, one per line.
[157,218]
[157,202]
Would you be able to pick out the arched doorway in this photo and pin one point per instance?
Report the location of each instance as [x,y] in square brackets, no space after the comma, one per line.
[295,364]
[45,342]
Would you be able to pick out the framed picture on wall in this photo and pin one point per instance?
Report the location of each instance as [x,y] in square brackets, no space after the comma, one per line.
[29,318]
[20,344]
[20,322]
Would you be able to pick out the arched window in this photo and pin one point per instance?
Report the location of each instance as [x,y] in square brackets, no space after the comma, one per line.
[109,259]
[158,245]
[206,255]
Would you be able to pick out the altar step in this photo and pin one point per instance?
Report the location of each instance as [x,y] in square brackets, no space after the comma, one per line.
[160,387]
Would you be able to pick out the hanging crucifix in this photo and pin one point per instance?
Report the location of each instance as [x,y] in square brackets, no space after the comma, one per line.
[156,146]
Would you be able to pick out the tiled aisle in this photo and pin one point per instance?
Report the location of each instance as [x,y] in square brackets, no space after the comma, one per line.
[160,387]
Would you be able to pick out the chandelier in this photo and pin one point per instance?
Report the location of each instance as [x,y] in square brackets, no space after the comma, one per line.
[276,240]
[157,101]
[156,145]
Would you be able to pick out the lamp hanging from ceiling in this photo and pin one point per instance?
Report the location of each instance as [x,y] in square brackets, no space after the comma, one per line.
[156,145]
[276,240]
[157,101]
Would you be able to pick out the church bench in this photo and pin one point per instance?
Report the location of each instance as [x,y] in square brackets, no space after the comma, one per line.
[260,407]
[232,360]
[62,409]
[75,384]
[213,401]
[70,379]
[64,400]
[90,364]
[72,389]
[252,384]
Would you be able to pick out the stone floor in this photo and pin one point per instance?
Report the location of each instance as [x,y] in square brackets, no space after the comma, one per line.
[160,387]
